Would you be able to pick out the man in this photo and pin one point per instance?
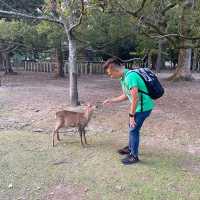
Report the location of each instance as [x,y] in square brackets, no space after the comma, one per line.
[140,108]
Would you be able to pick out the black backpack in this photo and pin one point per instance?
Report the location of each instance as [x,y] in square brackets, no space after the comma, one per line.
[154,87]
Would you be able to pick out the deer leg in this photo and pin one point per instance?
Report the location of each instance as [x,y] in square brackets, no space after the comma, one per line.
[58,136]
[56,133]
[81,134]
[84,136]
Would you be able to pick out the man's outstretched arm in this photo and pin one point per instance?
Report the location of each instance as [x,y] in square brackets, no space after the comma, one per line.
[120,98]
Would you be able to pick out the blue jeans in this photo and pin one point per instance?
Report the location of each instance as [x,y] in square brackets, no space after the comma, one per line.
[134,133]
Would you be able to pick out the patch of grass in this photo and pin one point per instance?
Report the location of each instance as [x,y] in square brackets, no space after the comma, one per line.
[32,166]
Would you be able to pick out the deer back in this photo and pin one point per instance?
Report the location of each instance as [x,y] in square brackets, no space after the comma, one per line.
[69,118]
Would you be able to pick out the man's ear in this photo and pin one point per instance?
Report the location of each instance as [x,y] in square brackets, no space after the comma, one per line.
[111,66]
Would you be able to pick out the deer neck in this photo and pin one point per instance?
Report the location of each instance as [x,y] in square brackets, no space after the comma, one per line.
[88,115]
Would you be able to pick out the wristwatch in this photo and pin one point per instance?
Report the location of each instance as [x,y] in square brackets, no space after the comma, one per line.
[131,115]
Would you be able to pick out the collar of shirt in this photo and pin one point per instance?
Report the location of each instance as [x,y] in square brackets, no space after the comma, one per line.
[124,74]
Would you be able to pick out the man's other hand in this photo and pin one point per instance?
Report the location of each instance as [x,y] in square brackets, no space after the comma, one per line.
[132,122]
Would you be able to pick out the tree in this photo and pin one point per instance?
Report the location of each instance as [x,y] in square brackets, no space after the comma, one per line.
[106,34]
[67,13]
[8,37]
[183,70]
[52,38]
[144,10]
[9,32]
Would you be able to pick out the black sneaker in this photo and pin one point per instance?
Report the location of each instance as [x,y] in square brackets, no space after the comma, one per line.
[130,159]
[124,151]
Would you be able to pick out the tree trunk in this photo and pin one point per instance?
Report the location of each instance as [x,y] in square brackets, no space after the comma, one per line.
[60,62]
[183,70]
[1,61]
[59,71]
[160,59]
[73,83]
[195,60]
[149,61]
[162,23]
[7,64]
[153,61]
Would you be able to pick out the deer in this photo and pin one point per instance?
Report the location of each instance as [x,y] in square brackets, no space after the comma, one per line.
[80,120]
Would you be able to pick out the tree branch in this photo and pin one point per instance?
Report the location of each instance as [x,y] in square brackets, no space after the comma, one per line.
[173,42]
[80,17]
[20,45]
[11,14]
[158,31]
[176,35]
[168,8]
[7,5]
[76,24]
[112,55]
[156,28]
[140,9]
[105,44]
[188,47]
[9,49]
[134,13]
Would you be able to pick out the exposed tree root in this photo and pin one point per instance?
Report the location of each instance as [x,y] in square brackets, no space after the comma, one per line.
[180,76]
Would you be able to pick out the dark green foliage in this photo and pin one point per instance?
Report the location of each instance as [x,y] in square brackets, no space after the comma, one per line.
[22,5]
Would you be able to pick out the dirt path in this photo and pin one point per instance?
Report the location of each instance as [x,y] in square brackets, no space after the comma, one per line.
[29,101]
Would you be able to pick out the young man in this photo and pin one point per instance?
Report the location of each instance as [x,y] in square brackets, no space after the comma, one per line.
[140,108]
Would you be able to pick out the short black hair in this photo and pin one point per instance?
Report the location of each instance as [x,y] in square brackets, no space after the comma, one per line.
[113,60]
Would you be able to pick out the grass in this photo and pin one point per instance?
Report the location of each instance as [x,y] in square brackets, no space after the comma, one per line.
[32,166]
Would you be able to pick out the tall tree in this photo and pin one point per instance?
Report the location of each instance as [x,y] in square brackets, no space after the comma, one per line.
[106,34]
[183,70]
[179,40]
[161,21]
[67,13]
[9,45]
[71,13]
[9,32]
[52,38]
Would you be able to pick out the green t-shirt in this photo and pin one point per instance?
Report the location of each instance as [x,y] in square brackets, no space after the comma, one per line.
[133,80]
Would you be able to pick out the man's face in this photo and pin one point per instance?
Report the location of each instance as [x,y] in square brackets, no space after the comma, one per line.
[109,71]
[112,72]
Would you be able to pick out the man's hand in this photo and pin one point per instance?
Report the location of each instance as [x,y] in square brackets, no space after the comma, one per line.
[120,98]
[107,102]
[132,122]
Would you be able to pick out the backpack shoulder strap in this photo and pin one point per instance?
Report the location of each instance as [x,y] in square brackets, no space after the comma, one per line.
[130,71]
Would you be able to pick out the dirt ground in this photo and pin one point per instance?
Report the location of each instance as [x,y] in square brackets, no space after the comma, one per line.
[28,102]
